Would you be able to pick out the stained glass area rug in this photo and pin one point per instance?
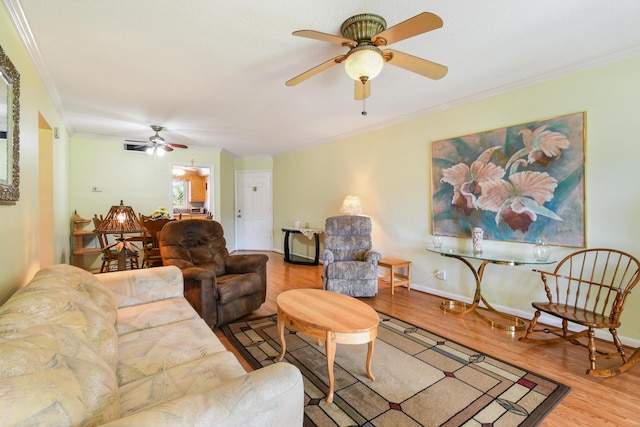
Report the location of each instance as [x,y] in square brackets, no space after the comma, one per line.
[422,379]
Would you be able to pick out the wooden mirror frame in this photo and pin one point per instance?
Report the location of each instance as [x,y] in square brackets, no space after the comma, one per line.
[10,184]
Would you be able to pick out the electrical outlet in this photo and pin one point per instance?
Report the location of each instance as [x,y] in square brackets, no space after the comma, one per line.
[441,274]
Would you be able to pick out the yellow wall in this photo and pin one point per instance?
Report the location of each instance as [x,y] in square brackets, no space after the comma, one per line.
[390,170]
[20,223]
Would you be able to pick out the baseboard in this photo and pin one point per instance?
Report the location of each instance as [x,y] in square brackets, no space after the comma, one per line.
[544,318]
[280,251]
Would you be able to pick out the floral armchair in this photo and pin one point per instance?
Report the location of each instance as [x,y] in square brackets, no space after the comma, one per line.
[350,267]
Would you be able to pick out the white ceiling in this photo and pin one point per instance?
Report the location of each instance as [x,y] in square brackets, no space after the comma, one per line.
[213,71]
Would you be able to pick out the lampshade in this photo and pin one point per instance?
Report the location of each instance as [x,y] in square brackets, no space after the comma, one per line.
[351,206]
[364,63]
[120,219]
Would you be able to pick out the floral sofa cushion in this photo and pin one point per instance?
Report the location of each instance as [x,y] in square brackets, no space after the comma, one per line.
[59,351]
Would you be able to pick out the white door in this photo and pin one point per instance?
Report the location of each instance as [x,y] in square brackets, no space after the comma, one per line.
[254,217]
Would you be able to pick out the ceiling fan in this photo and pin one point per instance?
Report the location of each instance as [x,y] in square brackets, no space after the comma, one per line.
[156,144]
[364,34]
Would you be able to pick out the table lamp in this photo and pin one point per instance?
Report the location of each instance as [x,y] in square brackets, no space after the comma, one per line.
[351,206]
[120,220]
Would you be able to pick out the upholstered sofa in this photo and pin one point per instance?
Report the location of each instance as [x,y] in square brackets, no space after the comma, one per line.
[127,349]
[221,287]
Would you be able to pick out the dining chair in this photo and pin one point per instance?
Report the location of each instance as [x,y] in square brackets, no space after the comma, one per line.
[150,244]
[109,253]
[588,288]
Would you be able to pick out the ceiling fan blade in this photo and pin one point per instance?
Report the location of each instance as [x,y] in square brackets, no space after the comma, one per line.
[330,38]
[177,146]
[417,65]
[136,140]
[361,91]
[411,27]
[315,70]
[165,147]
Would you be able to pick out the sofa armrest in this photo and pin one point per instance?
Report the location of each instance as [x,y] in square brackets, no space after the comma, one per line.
[270,396]
[133,287]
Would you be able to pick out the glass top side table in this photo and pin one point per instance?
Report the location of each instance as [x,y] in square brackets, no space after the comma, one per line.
[504,321]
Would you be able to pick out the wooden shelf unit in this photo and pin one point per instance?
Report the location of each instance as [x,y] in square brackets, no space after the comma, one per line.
[84,240]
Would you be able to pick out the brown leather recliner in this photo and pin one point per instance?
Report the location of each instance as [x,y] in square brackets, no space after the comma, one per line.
[221,287]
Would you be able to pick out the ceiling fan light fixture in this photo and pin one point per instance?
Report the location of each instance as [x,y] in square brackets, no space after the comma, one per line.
[154,150]
[364,62]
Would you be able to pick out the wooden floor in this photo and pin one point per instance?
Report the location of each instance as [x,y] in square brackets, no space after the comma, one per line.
[591,402]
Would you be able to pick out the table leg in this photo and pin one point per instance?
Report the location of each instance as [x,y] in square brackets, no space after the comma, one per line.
[286,246]
[316,259]
[122,259]
[283,342]
[392,277]
[513,323]
[461,308]
[369,359]
[330,344]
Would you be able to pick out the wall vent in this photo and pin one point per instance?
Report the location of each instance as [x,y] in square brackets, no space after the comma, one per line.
[135,147]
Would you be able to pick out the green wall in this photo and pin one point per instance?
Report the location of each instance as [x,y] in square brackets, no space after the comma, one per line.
[140,180]
[390,170]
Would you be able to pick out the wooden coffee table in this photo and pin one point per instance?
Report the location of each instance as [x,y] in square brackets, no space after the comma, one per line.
[331,317]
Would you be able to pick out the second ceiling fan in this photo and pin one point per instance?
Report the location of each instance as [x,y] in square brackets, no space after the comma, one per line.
[364,34]
[156,144]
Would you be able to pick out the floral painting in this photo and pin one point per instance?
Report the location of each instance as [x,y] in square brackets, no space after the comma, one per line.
[522,183]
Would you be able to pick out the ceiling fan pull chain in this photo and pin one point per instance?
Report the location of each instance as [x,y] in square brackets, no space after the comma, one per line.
[364,106]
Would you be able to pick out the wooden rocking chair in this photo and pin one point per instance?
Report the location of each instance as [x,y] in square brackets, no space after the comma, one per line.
[588,288]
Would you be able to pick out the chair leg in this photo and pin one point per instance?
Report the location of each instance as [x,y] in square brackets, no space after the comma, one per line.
[531,328]
[618,343]
[592,349]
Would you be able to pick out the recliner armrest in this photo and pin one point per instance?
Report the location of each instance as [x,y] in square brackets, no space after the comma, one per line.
[201,291]
[197,273]
[372,256]
[326,256]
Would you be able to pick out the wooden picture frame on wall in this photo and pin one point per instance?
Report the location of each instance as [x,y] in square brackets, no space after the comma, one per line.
[521,183]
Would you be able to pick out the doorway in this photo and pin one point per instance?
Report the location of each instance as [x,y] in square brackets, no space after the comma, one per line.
[45,195]
[254,215]
[191,190]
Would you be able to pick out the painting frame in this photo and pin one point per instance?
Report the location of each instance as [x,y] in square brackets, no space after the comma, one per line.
[521,183]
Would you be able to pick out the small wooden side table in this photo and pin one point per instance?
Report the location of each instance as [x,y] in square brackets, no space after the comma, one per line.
[397,278]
